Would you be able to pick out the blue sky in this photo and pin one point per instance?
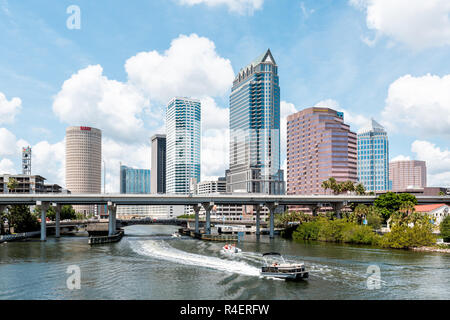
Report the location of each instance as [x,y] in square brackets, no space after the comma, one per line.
[369,58]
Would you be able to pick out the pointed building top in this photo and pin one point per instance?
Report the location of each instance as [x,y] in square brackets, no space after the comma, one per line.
[372,126]
[266,57]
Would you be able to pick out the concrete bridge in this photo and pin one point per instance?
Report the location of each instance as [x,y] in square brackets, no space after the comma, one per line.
[272,202]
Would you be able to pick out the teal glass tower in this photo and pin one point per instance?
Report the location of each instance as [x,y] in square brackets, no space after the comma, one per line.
[373,157]
[255,129]
[183,136]
[134,181]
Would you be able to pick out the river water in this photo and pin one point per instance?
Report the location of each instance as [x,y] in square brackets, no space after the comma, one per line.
[149,264]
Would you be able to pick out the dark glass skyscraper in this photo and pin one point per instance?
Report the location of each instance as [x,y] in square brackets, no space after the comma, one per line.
[255,129]
[158,174]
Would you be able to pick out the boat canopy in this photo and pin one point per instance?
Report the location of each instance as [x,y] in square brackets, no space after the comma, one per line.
[271,254]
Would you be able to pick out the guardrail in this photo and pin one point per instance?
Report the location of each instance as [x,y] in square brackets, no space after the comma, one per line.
[19,236]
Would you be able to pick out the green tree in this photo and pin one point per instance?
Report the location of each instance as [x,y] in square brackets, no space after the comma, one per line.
[12,184]
[444,228]
[21,218]
[407,197]
[2,222]
[326,185]
[404,236]
[347,186]
[359,214]
[390,202]
[67,213]
[360,190]
[374,218]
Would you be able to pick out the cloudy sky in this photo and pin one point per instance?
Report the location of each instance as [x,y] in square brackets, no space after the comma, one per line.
[385,59]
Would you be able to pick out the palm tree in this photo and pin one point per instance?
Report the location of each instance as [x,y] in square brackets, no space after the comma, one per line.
[360,190]
[347,186]
[361,211]
[326,185]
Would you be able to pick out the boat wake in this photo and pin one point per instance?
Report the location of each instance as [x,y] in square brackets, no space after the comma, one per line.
[163,251]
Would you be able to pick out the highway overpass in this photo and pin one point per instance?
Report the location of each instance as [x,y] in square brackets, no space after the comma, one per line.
[196,201]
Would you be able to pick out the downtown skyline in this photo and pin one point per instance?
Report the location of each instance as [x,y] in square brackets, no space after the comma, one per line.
[128,107]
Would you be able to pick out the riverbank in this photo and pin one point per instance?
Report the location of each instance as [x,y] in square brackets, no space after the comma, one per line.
[431,249]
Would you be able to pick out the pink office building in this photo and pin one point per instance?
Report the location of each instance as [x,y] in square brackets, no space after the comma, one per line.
[319,146]
[407,174]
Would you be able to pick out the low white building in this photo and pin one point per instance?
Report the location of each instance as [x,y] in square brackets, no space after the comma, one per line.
[437,211]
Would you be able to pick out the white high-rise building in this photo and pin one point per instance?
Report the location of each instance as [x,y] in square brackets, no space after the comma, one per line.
[84,163]
[183,125]
[183,136]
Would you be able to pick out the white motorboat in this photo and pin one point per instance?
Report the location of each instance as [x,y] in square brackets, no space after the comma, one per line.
[176,235]
[230,248]
[276,267]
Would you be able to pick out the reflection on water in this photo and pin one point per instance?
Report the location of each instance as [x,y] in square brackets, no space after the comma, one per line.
[150,264]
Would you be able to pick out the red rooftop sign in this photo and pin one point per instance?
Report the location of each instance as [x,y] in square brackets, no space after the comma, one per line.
[85,128]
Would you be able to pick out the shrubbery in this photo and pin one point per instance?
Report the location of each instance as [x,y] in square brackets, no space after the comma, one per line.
[402,235]
[445,229]
[323,229]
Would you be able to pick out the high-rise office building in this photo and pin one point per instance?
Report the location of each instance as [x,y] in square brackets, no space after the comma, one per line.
[84,163]
[373,157]
[406,174]
[158,170]
[255,129]
[134,181]
[319,146]
[183,126]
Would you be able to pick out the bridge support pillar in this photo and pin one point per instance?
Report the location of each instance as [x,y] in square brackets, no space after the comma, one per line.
[57,208]
[258,219]
[112,209]
[44,207]
[208,206]
[197,218]
[2,209]
[272,207]
[337,207]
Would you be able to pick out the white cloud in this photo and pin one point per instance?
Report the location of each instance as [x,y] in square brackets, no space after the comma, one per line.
[213,117]
[419,105]
[48,160]
[355,120]
[239,6]
[7,166]
[9,145]
[400,158]
[215,153]
[89,98]
[215,139]
[131,155]
[9,109]
[437,160]
[190,67]
[416,23]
